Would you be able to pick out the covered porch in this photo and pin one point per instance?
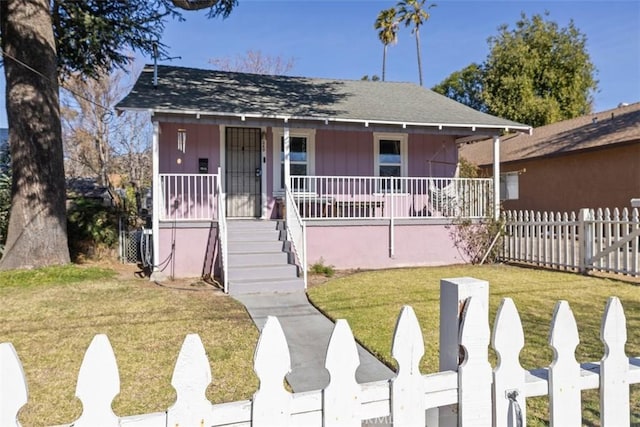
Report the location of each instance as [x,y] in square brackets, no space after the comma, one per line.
[197,197]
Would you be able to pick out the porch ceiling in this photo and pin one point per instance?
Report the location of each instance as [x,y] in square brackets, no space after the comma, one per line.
[196,92]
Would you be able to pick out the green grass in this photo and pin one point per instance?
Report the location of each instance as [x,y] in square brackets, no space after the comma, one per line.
[60,275]
[371,302]
[51,315]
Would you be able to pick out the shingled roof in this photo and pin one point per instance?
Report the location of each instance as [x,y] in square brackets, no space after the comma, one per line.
[218,93]
[592,131]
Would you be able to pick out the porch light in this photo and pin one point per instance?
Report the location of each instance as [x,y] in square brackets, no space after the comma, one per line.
[182,140]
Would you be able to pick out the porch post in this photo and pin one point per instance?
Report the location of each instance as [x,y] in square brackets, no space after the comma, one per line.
[496,177]
[156,274]
[286,164]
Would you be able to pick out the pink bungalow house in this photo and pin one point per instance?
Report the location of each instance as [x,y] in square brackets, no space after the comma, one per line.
[257,177]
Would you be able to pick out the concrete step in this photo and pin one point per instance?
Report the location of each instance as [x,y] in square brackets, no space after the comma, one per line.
[266,285]
[253,224]
[251,235]
[241,247]
[249,259]
[264,272]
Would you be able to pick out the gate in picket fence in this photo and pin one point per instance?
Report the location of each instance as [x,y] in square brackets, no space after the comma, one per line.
[594,240]
[480,395]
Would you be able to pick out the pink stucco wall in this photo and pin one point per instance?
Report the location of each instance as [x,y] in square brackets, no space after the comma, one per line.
[190,247]
[203,141]
[367,247]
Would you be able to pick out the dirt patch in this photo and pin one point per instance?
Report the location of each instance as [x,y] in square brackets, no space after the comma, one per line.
[320,279]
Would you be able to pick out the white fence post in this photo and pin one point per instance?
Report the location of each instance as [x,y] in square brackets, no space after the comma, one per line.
[272,361]
[508,376]
[407,388]
[341,398]
[614,367]
[453,293]
[13,385]
[474,373]
[191,377]
[585,239]
[98,384]
[564,371]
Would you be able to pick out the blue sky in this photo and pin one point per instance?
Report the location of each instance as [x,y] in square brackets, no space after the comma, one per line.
[336,39]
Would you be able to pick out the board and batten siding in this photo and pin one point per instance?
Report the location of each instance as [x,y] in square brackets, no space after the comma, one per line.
[342,153]
[203,141]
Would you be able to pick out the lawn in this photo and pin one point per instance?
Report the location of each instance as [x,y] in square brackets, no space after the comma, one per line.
[371,302]
[51,316]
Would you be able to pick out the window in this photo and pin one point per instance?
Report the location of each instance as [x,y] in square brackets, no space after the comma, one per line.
[301,156]
[390,158]
[509,184]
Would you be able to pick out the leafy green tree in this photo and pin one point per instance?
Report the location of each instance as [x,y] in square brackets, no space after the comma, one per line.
[413,13]
[42,41]
[536,73]
[387,26]
[465,86]
[539,73]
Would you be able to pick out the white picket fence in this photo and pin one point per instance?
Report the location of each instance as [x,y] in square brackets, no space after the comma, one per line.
[482,395]
[601,240]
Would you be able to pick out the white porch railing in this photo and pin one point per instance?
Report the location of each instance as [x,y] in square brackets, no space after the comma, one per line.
[222,233]
[484,396]
[296,233]
[189,196]
[353,197]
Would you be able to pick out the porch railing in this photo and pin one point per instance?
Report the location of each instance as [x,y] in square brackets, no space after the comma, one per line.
[189,196]
[296,232]
[222,233]
[354,197]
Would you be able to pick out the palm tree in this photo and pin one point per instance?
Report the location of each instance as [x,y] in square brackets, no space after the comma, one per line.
[412,12]
[387,26]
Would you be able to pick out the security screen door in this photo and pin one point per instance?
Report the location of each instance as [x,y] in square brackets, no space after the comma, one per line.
[243,172]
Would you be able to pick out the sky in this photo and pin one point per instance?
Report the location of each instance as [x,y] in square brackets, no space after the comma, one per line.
[336,39]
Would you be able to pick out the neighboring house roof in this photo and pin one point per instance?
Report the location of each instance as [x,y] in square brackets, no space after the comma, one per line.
[592,131]
[219,93]
[86,187]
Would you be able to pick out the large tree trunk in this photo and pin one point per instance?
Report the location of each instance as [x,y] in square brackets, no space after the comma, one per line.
[37,233]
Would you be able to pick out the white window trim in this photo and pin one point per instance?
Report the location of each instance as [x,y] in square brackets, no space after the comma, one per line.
[278,133]
[404,157]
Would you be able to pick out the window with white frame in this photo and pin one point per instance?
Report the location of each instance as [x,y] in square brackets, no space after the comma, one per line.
[301,157]
[509,185]
[390,157]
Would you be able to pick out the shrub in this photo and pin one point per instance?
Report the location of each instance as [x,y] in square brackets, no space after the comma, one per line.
[477,240]
[320,268]
[91,227]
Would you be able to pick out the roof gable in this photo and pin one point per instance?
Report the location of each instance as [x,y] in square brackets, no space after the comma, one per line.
[592,131]
[189,91]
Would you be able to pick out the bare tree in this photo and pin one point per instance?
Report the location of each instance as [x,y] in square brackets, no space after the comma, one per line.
[86,113]
[97,143]
[254,61]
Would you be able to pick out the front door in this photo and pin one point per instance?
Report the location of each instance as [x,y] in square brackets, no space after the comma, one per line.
[243,172]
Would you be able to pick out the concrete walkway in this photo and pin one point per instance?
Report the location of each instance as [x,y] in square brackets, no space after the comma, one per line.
[308,332]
